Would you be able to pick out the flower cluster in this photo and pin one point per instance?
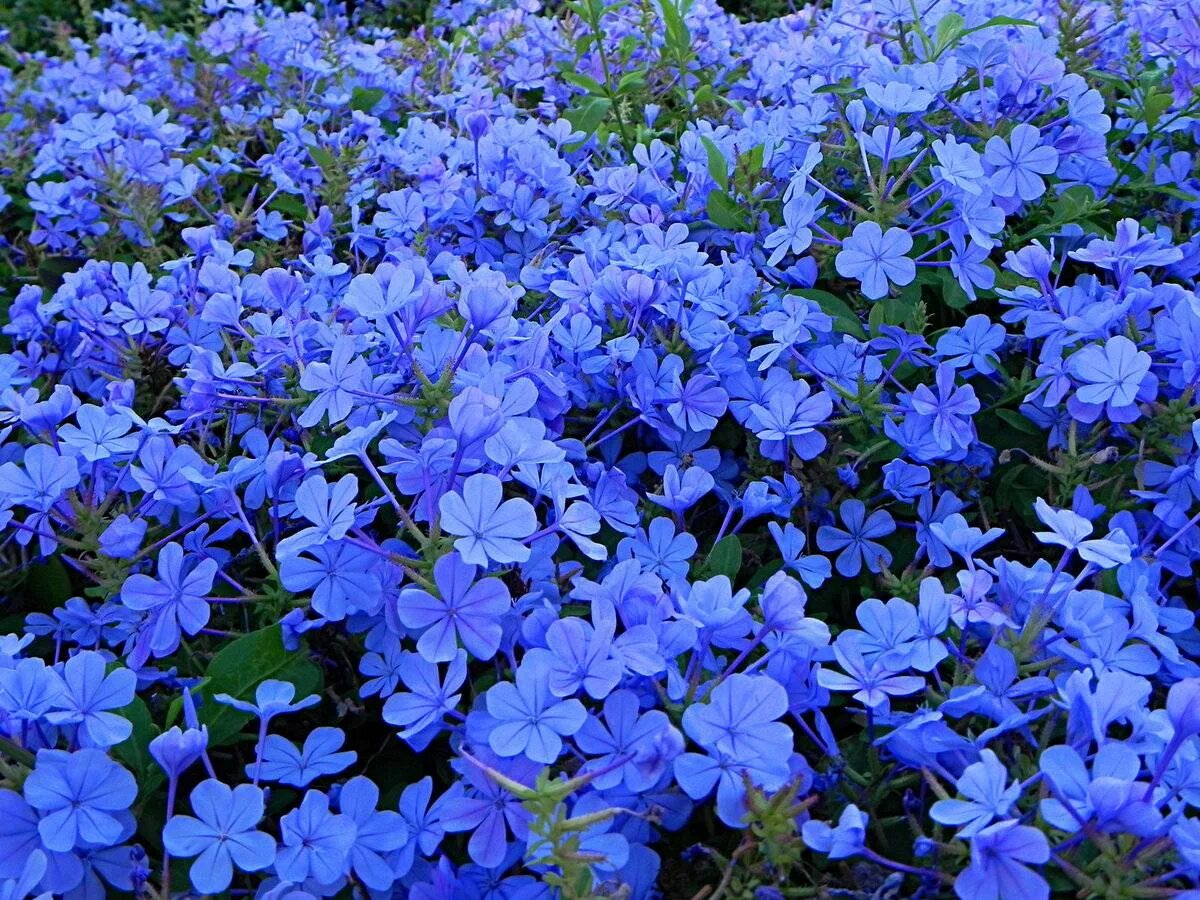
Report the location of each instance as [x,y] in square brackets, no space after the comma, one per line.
[580,450]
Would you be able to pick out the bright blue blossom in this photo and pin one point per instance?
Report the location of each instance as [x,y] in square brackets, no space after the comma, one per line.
[530,720]
[877,258]
[856,541]
[89,697]
[176,601]
[1000,858]
[487,529]
[988,797]
[1016,165]
[468,611]
[222,835]
[78,795]
[280,760]
[1111,380]
[315,842]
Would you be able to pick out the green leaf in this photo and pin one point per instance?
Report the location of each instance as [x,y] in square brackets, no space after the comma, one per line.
[903,310]
[589,114]
[239,667]
[134,750]
[365,99]
[1156,103]
[951,292]
[949,30]
[679,39]
[1015,420]
[47,585]
[752,159]
[726,557]
[725,211]
[631,82]
[290,205]
[1000,21]
[587,82]
[717,167]
[843,88]
[322,158]
[51,269]
[1171,191]
[844,318]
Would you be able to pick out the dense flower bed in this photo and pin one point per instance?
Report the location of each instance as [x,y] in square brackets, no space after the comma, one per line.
[603,450]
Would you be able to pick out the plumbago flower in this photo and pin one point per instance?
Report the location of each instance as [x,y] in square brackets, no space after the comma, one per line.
[176,602]
[467,610]
[222,835]
[446,474]
[489,531]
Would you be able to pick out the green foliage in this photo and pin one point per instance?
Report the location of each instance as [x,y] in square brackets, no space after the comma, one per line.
[34,25]
[237,669]
[556,845]
[726,557]
[758,10]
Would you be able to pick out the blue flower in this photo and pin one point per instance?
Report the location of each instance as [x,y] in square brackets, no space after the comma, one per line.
[334,383]
[813,570]
[315,842]
[488,810]
[581,658]
[877,258]
[698,773]
[1070,530]
[1016,165]
[488,531]
[221,835]
[1113,378]
[628,747]
[89,693]
[789,418]
[1109,797]
[975,343]
[420,710]
[683,490]
[905,481]
[872,683]
[79,796]
[717,610]
[660,549]
[530,720]
[839,841]
[958,165]
[739,719]
[377,833]
[950,409]
[330,509]
[33,870]
[467,611]
[29,690]
[279,760]
[19,835]
[177,599]
[856,542]
[340,577]
[1129,250]
[697,404]
[795,236]
[271,698]
[739,732]
[988,797]
[99,434]
[998,870]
